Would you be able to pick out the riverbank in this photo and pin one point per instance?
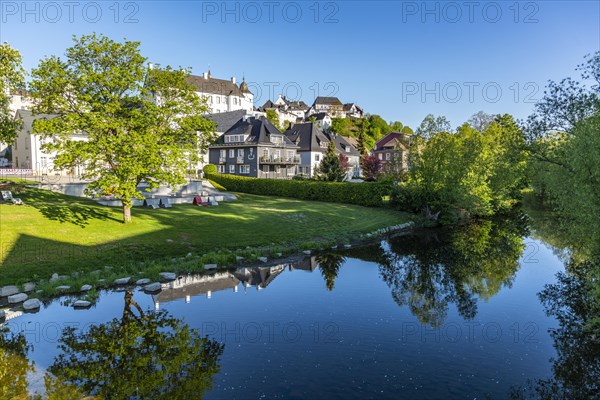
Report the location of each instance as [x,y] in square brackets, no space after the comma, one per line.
[76,238]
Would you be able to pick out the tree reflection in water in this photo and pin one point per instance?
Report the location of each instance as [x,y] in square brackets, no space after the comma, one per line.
[142,355]
[330,264]
[427,272]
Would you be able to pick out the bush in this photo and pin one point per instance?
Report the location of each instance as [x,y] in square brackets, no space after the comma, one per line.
[364,194]
[209,169]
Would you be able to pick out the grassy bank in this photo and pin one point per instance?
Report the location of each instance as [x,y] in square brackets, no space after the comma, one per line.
[54,233]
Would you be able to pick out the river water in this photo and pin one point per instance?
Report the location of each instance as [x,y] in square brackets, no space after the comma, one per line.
[435,314]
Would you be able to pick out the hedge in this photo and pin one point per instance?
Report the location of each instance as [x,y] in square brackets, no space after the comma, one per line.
[368,194]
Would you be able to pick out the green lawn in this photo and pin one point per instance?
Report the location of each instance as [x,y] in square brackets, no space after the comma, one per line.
[56,233]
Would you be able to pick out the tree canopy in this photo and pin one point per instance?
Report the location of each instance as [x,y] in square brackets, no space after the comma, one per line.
[12,79]
[330,168]
[139,124]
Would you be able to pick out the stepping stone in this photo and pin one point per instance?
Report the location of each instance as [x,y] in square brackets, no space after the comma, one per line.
[333,247]
[86,288]
[8,291]
[82,304]
[28,287]
[209,267]
[63,288]
[108,268]
[143,281]
[347,246]
[278,254]
[17,298]
[239,258]
[263,259]
[122,281]
[56,277]
[307,252]
[96,272]
[168,276]
[153,287]
[32,304]
[2,315]
[188,255]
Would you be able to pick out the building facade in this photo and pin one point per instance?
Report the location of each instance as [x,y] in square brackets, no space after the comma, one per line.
[254,147]
[393,149]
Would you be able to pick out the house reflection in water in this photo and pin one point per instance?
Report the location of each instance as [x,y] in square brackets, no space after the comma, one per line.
[190,286]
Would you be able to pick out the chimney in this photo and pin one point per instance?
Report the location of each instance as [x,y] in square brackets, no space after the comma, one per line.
[205,75]
[233,80]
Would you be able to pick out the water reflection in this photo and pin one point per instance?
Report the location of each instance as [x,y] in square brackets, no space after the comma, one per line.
[142,354]
[428,272]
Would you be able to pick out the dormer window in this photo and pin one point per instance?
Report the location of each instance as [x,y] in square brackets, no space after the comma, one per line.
[235,138]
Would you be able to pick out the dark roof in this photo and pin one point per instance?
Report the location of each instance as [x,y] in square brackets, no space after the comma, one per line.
[348,107]
[268,104]
[343,146]
[259,131]
[226,120]
[332,101]
[258,276]
[318,116]
[399,136]
[296,105]
[308,136]
[221,87]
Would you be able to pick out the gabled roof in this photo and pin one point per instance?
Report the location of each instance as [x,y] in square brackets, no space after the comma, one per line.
[221,87]
[348,107]
[259,131]
[268,104]
[226,120]
[331,101]
[343,146]
[319,116]
[308,136]
[390,140]
[297,105]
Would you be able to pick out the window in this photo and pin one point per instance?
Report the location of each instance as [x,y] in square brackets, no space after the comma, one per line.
[244,169]
[221,169]
[223,153]
[290,153]
[387,156]
[44,162]
[317,157]
[218,100]
[231,153]
[277,154]
[240,152]
[232,169]
[380,156]
[266,152]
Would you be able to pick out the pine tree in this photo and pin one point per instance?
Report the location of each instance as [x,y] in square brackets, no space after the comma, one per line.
[330,169]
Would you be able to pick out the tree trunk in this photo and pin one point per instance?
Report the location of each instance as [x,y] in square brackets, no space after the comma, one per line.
[126,213]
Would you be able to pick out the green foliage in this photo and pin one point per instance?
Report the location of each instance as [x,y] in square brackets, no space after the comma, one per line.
[12,77]
[368,130]
[432,125]
[330,168]
[104,90]
[209,169]
[273,118]
[364,194]
[467,173]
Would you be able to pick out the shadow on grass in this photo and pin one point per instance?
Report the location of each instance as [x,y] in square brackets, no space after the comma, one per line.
[56,207]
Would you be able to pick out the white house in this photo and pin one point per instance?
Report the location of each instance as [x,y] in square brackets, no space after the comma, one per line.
[27,150]
[223,95]
[330,105]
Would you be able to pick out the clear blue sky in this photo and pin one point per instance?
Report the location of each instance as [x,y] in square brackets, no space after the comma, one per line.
[401,60]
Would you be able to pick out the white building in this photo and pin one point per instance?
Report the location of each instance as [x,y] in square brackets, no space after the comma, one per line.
[223,95]
[330,105]
[27,150]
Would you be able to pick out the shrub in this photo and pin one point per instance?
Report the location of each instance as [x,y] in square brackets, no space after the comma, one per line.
[209,169]
[364,194]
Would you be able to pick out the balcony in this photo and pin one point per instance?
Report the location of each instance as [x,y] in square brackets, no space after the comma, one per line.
[280,160]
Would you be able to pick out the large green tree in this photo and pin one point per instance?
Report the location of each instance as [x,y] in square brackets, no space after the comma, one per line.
[12,78]
[432,125]
[141,124]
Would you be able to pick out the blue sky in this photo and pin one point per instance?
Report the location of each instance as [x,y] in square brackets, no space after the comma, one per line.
[399,59]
